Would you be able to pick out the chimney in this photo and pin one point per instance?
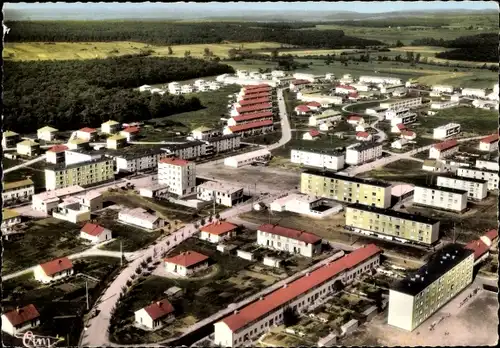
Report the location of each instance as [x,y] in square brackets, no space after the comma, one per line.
[159,303]
[17,309]
[60,261]
[284,286]
[236,311]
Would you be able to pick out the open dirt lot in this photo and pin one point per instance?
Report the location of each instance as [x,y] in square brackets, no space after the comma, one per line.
[475,324]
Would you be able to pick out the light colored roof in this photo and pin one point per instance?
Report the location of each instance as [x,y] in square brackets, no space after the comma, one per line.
[220,186]
[139,213]
[87,130]
[295,197]
[399,190]
[47,129]
[28,142]
[8,134]
[117,137]
[78,141]
[15,184]
[202,129]
[55,194]
[9,214]
[111,122]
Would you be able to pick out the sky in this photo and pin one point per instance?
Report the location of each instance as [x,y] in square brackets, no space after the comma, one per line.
[362,7]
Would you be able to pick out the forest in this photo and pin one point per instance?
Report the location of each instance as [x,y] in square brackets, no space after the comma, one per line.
[476,48]
[72,94]
[171,33]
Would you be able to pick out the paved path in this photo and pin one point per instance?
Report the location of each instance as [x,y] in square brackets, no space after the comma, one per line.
[24,164]
[286,132]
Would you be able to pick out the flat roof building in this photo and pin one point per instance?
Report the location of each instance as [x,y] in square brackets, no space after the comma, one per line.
[439,197]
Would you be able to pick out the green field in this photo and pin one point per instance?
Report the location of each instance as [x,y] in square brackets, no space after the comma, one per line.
[473,121]
[91,50]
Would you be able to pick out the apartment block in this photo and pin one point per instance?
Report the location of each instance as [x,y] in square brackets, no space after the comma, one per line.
[446,131]
[222,193]
[21,190]
[332,160]
[405,119]
[481,173]
[224,143]
[403,103]
[440,197]
[491,165]
[178,174]
[380,79]
[391,224]
[360,153]
[391,113]
[443,149]
[346,188]
[82,174]
[476,188]
[80,156]
[489,143]
[445,104]
[138,159]
[419,295]
[187,151]
[289,240]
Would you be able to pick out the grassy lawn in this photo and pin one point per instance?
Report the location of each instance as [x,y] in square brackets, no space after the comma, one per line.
[215,103]
[35,174]
[61,305]
[473,121]
[400,171]
[200,297]
[43,241]
[264,139]
[324,142]
[92,50]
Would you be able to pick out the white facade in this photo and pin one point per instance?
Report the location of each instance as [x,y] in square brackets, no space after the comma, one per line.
[110,127]
[72,211]
[476,189]
[404,119]
[441,198]
[484,174]
[327,116]
[332,161]
[141,218]
[360,87]
[446,131]
[13,330]
[174,88]
[246,158]
[342,89]
[309,77]
[184,271]
[358,154]
[179,175]
[444,104]
[403,103]
[490,165]
[223,193]
[187,151]
[395,113]
[20,190]
[72,157]
[40,275]
[187,89]
[325,100]
[290,245]
[101,237]
[398,144]
[474,92]
[443,88]
[435,151]
[139,162]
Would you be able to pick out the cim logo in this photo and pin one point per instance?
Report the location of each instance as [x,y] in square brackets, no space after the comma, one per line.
[31,340]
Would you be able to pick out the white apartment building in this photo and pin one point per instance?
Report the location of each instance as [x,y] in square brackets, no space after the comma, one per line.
[490,165]
[404,119]
[481,173]
[391,113]
[442,88]
[21,190]
[380,79]
[187,89]
[328,159]
[489,143]
[246,158]
[188,150]
[141,218]
[402,103]
[444,149]
[444,104]
[326,116]
[446,131]
[137,161]
[361,87]
[80,156]
[178,174]
[324,100]
[248,323]
[174,88]
[485,104]
[357,154]
[223,193]
[476,188]
[386,89]
[278,73]
[287,239]
[309,77]
[474,92]
[344,89]
[440,197]
[223,143]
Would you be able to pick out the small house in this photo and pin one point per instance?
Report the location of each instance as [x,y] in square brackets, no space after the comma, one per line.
[53,270]
[302,110]
[10,218]
[28,148]
[408,135]
[363,136]
[155,315]
[313,134]
[77,144]
[398,128]
[86,133]
[314,105]
[55,154]
[95,233]
[10,139]
[141,218]
[355,120]
[325,127]
[399,144]
[116,142]
[110,127]
[202,133]
[186,263]
[20,319]
[218,231]
[130,133]
[46,133]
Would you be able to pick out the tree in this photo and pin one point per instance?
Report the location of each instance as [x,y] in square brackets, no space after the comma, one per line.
[187,54]
[417,58]
[399,43]
[170,52]
[290,317]
[206,52]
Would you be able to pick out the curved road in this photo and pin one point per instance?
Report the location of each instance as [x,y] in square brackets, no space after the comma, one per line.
[380,134]
[25,164]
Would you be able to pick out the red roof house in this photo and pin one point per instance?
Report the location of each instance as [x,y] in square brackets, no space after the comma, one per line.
[445,145]
[92,229]
[254,108]
[300,82]
[219,228]
[87,130]
[492,235]
[254,116]
[363,136]
[480,249]
[53,270]
[160,309]
[250,125]
[302,109]
[174,161]
[291,233]
[187,259]
[407,134]
[95,233]
[20,317]
[131,130]
[401,126]
[490,139]
[354,119]
[290,292]
[247,102]
[314,104]
[58,148]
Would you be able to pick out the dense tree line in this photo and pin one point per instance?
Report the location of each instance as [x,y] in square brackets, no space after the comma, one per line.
[169,33]
[72,94]
[396,22]
[476,48]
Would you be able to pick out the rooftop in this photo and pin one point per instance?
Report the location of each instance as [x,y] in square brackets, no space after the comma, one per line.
[8,134]
[9,214]
[394,214]
[291,233]
[490,139]
[247,102]
[445,145]
[117,137]
[174,161]
[47,129]
[132,129]
[250,125]
[159,309]
[22,315]
[55,194]
[111,122]
[440,188]
[219,227]
[58,148]
[347,178]
[92,229]
[401,189]
[28,142]
[17,184]
[133,152]
[56,266]
[78,141]
[478,247]
[326,151]
[296,197]
[447,126]
[280,297]
[87,130]
[439,264]
[454,176]
[252,154]
[63,166]
[364,146]
[188,144]
[139,213]
[187,258]
[256,107]
[253,116]
[220,187]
